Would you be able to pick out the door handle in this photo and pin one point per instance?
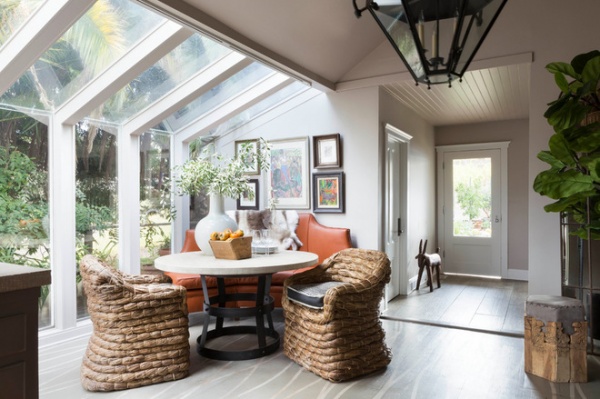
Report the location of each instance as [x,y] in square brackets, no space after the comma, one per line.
[399,230]
[497,219]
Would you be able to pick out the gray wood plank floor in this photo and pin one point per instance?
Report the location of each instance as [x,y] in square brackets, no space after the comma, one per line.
[475,303]
[429,361]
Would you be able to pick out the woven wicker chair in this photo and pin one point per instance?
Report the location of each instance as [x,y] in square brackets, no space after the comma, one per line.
[344,339]
[140,333]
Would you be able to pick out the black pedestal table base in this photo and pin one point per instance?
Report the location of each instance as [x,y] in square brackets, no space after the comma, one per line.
[264,304]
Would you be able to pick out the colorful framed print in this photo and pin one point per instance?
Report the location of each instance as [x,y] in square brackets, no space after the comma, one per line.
[289,173]
[253,165]
[249,199]
[328,192]
[327,151]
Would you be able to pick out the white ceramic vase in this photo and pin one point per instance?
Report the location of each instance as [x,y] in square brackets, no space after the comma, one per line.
[216,220]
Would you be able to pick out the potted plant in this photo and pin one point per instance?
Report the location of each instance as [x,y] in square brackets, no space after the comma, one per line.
[220,177]
[573,179]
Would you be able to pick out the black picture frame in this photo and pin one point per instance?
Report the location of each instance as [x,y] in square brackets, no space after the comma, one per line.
[244,202]
[328,192]
[327,151]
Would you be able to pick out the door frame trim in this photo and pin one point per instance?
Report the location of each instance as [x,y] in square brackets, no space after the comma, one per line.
[394,134]
[499,145]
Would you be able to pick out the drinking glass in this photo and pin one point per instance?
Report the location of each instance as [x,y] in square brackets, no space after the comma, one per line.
[257,241]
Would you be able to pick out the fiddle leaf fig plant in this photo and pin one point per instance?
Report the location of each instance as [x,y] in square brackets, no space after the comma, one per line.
[573,154]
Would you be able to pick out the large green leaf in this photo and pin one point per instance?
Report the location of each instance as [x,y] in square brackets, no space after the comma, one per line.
[592,164]
[591,71]
[569,114]
[556,184]
[579,61]
[559,147]
[555,106]
[547,157]
[584,139]
[562,205]
[562,67]
[561,82]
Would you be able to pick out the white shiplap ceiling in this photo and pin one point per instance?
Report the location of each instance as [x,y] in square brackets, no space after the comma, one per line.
[484,95]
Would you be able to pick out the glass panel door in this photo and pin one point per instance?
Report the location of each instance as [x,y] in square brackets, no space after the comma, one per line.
[472,180]
[472,219]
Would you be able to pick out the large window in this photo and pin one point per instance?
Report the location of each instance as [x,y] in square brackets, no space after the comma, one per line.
[115,71]
[96,199]
[24,220]
[156,212]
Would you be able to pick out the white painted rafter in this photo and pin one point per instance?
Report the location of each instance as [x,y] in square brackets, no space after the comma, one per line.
[237,104]
[185,92]
[36,35]
[140,57]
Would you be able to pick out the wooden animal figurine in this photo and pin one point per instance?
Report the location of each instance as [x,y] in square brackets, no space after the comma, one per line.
[430,262]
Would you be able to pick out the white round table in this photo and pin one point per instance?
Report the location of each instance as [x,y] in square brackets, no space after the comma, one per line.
[199,263]
[260,266]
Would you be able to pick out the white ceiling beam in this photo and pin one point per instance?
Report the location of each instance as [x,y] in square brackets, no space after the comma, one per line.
[235,105]
[186,92]
[46,25]
[184,12]
[142,56]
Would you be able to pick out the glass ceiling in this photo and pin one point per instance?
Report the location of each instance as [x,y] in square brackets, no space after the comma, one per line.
[174,68]
[101,46]
[14,13]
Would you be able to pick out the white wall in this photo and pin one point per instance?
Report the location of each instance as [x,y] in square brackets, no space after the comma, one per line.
[558,36]
[359,116]
[354,115]
[421,171]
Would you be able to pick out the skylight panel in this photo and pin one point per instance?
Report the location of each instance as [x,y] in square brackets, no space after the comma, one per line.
[176,67]
[13,13]
[218,95]
[257,109]
[107,31]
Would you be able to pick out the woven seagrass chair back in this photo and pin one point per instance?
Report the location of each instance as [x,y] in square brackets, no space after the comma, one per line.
[344,339]
[140,334]
[101,280]
[362,267]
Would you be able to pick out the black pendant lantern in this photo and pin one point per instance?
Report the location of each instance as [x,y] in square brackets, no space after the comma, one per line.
[436,39]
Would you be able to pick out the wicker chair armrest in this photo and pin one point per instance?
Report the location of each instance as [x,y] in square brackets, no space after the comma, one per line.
[145,279]
[159,289]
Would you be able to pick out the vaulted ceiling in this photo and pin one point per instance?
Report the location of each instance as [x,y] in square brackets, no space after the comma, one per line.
[324,43]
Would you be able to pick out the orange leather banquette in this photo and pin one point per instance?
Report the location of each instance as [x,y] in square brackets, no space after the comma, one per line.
[316,238]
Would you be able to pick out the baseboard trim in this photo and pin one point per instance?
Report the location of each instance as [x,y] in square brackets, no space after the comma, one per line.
[517,274]
[506,333]
[53,337]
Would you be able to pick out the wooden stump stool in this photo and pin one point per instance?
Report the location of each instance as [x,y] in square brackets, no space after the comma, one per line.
[555,338]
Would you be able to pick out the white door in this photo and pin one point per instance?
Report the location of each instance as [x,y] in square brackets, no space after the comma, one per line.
[395,218]
[472,212]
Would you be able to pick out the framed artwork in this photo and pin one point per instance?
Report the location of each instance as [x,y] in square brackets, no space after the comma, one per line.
[244,201]
[254,168]
[328,192]
[288,175]
[327,151]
